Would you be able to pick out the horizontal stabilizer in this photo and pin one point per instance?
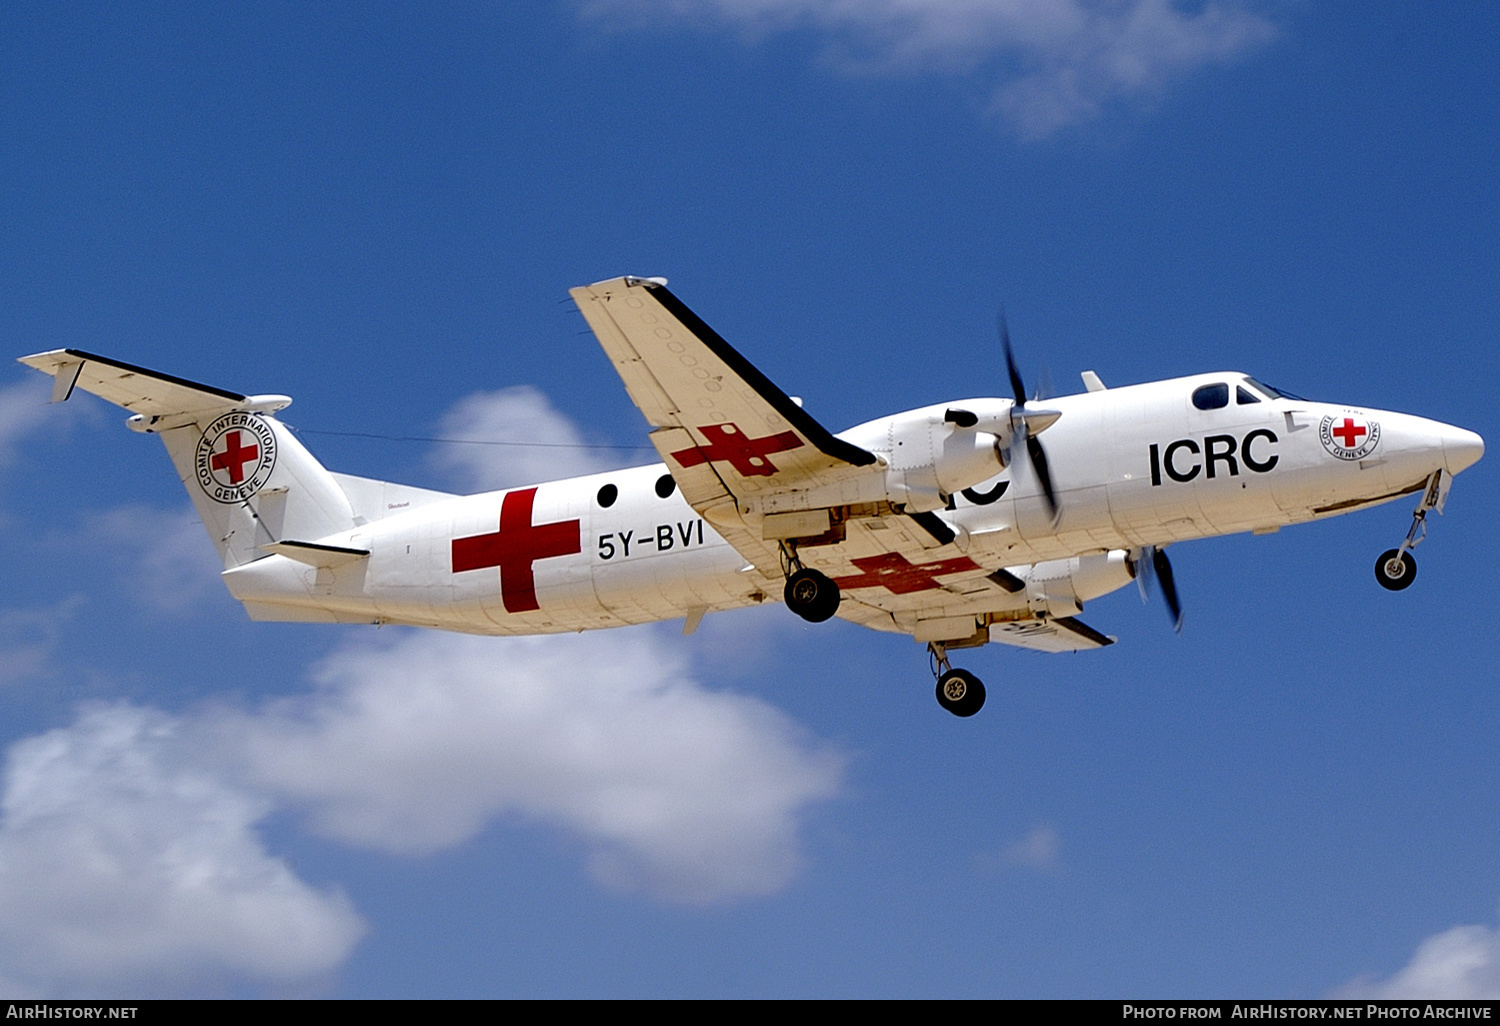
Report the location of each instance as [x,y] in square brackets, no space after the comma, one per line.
[313,554]
[146,392]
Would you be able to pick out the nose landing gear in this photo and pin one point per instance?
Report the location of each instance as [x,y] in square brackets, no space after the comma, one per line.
[1396,569]
[958,691]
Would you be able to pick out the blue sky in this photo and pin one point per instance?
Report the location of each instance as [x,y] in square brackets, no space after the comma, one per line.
[378,210]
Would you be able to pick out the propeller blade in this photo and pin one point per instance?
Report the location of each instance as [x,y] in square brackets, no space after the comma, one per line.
[1163,567]
[1017,386]
[1043,472]
[1143,573]
[1028,423]
[1044,388]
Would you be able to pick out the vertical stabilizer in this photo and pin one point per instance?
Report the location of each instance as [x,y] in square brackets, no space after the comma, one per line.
[251,481]
[254,484]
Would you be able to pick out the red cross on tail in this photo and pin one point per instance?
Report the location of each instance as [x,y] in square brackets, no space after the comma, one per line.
[234,457]
[748,456]
[515,547]
[895,574]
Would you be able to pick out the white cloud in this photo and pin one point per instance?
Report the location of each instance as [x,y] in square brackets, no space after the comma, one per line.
[417,744]
[125,869]
[1048,63]
[1461,964]
[22,409]
[518,438]
[29,636]
[172,565]
[130,860]
[1037,849]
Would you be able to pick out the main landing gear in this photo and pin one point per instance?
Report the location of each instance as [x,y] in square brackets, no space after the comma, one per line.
[815,597]
[808,593]
[958,691]
[1396,569]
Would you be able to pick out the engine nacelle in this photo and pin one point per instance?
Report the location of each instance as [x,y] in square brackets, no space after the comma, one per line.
[925,456]
[1060,587]
[930,458]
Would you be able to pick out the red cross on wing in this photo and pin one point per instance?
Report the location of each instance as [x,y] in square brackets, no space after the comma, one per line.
[750,457]
[896,574]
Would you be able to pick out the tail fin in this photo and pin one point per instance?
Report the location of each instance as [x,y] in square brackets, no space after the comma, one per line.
[252,482]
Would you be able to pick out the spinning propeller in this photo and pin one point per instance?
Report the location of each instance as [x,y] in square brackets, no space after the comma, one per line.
[1153,562]
[1027,422]
[1024,420]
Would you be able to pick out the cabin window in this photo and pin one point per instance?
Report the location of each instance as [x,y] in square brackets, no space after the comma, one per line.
[607,495]
[1243,396]
[665,486]
[1211,397]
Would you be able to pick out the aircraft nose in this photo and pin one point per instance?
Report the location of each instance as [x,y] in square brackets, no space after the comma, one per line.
[1461,448]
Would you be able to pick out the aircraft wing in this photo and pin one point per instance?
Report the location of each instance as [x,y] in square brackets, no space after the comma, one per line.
[726,433]
[742,452]
[952,598]
[721,425]
[1055,634]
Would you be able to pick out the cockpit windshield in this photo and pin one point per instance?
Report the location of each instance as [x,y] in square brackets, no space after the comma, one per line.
[1274,393]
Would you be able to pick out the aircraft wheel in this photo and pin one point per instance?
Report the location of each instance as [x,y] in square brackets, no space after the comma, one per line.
[960,692]
[1395,574]
[811,595]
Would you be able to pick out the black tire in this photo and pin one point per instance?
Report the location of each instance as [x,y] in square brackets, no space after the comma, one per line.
[960,692]
[811,595]
[1393,575]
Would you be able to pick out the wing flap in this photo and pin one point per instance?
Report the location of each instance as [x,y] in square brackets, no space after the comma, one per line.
[1056,634]
[700,483]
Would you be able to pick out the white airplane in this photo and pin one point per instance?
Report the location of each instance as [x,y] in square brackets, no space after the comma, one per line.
[949,523]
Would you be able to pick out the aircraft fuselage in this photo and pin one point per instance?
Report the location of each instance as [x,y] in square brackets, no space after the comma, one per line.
[1134,467]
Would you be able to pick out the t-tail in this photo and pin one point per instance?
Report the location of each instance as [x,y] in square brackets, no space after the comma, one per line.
[255,486]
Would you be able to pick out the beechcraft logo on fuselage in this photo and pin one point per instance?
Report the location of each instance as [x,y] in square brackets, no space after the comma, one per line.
[1349,435]
[235,457]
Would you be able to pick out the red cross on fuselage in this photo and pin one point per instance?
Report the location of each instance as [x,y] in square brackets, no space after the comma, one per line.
[894,573]
[747,455]
[234,458]
[1349,433]
[515,547]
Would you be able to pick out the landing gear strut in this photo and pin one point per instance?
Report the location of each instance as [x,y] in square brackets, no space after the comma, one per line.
[808,593]
[1396,569]
[958,691]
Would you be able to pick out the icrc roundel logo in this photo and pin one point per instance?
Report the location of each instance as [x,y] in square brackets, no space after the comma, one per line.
[1349,435]
[235,457]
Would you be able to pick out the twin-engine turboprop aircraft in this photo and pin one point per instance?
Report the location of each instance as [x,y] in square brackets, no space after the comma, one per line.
[951,523]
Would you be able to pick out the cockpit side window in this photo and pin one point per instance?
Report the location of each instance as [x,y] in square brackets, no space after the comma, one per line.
[1211,397]
[1243,396]
[1272,392]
